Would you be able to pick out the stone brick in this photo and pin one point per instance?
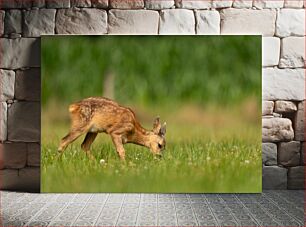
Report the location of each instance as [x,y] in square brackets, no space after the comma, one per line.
[9,179]
[56,4]
[26,179]
[274,177]
[81,21]
[242,4]
[208,22]
[267,107]
[275,115]
[290,22]
[99,3]
[177,21]
[221,3]
[293,52]
[303,157]
[24,122]
[261,4]
[283,84]
[126,4]
[271,51]
[13,155]
[299,122]
[39,22]
[7,80]
[3,121]
[285,106]
[248,21]
[15,4]
[38,3]
[289,153]
[33,154]
[2,14]
[27,85]
[20,53]
[80,3]
[296,177]
[276,129]
[191,4]
[159,4]
[293,4]
[269,154]
[29,179]
[133,22]
[13,21]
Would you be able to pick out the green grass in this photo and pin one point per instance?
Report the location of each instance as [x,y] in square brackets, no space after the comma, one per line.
[198,158]
[202,166]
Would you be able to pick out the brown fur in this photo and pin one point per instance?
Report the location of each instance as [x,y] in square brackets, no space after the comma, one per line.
[96,114]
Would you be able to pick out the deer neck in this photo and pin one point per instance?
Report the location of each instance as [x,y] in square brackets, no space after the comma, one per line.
[141,136]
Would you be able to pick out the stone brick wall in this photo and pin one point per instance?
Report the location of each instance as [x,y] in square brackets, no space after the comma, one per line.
[281,22]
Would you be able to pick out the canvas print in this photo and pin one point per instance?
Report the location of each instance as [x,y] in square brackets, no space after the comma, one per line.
[168,114]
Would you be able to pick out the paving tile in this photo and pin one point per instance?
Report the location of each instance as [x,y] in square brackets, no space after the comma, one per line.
[98,198]
[126,223]
[79,198]
[38,223]
[271,208]
[83,223]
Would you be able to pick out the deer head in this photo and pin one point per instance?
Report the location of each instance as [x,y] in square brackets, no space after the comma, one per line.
[157,137]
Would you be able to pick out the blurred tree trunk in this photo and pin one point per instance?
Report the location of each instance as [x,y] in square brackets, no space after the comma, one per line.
[109,85]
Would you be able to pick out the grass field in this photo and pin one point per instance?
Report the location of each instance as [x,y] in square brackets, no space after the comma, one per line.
[205,153]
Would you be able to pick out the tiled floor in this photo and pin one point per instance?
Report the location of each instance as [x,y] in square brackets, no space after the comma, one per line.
[271,208]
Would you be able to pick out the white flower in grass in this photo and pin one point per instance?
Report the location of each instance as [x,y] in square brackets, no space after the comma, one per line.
[102,161]
[246,161]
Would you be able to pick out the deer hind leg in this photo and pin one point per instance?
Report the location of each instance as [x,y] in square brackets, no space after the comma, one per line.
[79,125]
[89,138]
[69,138]
[117,140]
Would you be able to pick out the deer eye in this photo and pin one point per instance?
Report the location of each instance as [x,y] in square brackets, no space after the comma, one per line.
[160,146]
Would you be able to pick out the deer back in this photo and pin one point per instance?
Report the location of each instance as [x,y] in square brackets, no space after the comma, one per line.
[101,115]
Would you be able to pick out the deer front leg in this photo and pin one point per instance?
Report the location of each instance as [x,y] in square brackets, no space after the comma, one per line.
[117,140]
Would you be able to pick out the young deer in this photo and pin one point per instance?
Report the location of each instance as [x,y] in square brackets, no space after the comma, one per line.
[97,114]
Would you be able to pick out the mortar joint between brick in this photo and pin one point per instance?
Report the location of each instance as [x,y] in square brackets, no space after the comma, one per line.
[275,23]
[195,21]
[56,11]
[107,19]
[159,18]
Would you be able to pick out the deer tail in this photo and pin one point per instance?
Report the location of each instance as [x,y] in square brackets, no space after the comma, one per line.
[73,108]
[79,114]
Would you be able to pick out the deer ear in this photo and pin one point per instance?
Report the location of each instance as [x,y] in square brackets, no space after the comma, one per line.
[156,125]
[162,130]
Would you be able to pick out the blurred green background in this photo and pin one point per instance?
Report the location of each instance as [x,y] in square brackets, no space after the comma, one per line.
[207,88]
[150,70]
